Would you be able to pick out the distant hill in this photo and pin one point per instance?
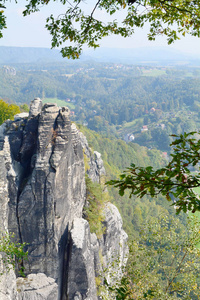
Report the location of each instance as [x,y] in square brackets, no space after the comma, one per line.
[9,55]
[153,55]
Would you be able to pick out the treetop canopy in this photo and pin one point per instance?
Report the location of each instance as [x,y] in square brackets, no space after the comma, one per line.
[78,26]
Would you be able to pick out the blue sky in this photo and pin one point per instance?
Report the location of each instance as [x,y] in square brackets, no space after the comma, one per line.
[30,32]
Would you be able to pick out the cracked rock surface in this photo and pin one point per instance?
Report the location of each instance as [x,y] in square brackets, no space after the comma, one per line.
[37,286]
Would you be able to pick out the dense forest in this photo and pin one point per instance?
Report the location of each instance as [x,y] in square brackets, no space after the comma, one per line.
[146,104]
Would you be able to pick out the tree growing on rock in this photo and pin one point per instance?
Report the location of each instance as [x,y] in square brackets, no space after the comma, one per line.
[11,254]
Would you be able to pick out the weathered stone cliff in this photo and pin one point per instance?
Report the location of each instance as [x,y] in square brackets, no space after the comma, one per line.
[42,195]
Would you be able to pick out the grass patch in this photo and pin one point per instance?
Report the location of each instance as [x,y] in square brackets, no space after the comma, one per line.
[154,72]
[59,102]
[134,125]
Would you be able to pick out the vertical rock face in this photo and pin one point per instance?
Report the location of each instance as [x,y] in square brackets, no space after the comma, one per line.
[81,273]
[42,194]
[114,243]
[111,251]
[7,283]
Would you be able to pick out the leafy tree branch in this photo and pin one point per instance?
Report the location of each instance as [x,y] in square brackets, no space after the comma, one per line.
[176,181]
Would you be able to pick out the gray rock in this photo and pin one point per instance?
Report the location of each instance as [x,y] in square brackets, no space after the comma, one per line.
[35,107]
[20,116]
[99,163]
[111,251]
[114,245]
[4,197]
[3,129]
[36,287]
[81,275]
[7,282]
[78,296]
[8,177]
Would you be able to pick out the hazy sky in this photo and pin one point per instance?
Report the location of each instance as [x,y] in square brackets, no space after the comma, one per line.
[30,32]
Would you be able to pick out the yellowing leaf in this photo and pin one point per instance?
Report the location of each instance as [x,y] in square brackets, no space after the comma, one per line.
[168,197]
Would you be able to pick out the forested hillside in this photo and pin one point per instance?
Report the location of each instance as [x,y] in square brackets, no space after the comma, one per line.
[164,258]
[117,155]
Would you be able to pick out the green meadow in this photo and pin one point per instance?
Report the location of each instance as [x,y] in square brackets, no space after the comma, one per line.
[59,102]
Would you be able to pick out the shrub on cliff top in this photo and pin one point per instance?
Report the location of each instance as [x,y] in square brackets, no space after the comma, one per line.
[7,111]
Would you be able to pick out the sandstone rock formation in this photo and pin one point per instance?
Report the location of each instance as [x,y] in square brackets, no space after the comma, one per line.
[42,195]
[36,286]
